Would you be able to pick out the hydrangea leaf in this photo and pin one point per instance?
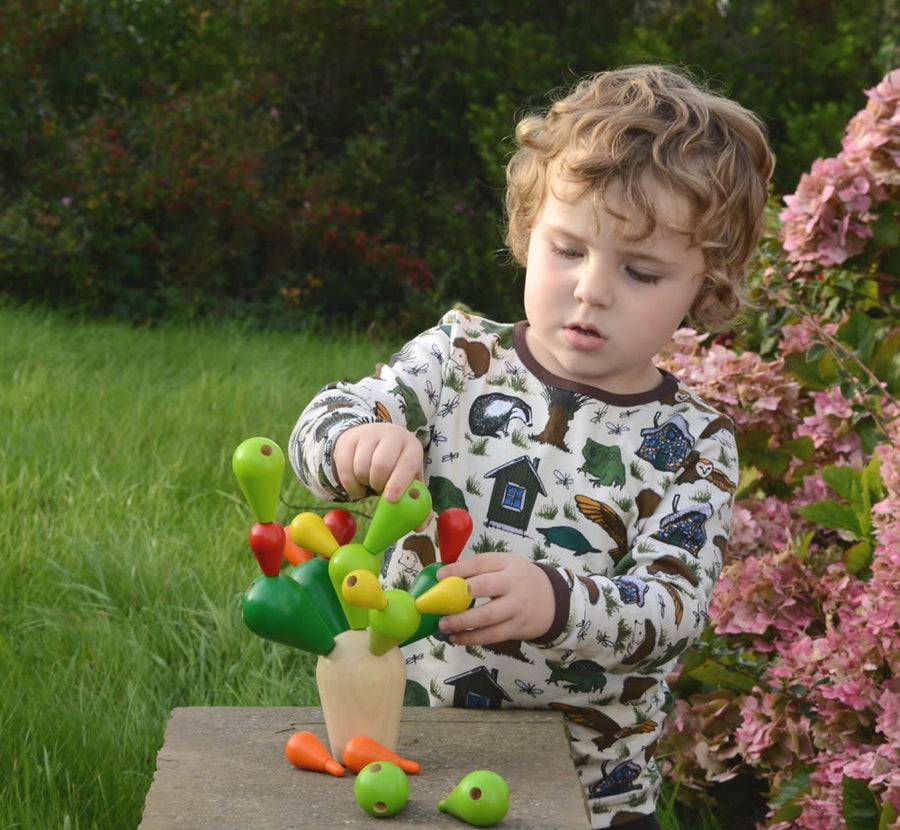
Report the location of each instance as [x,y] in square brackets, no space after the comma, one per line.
[859,805]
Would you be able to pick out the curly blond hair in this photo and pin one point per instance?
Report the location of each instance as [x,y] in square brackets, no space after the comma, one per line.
[652,123]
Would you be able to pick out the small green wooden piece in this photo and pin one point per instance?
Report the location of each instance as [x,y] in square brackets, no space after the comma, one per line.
[258,464]
[425,579]
[481,798]
[395,519]
[391,625]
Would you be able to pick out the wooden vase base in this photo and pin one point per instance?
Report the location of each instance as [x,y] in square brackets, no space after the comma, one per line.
[361,694]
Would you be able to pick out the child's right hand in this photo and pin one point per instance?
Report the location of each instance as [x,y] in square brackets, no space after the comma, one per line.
[382,457]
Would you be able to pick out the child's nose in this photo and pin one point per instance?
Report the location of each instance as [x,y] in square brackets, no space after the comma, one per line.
[594,286]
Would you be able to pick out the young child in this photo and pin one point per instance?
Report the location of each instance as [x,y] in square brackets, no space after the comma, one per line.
[600,487]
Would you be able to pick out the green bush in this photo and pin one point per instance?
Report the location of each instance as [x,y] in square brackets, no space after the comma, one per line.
[342,159]
[157,209]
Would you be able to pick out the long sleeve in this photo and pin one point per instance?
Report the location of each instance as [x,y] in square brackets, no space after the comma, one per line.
[404,391]
[643,615]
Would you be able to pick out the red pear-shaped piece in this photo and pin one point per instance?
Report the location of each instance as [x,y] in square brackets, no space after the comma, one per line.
[267,543]
[454,529]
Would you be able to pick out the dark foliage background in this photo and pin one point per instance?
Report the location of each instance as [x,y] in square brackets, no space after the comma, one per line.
[323,161]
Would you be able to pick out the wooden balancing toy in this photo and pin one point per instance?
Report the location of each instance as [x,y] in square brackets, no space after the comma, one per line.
[331,604]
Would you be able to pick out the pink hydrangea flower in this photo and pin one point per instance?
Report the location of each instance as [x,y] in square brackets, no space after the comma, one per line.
[888,721]
[826,640]
[798,338]
[872,140]
[758,395]
[829,426]
[828,219]
[825,222]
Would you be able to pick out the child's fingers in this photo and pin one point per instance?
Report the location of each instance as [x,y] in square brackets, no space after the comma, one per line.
[472,566]
[372,456]
[487,623]
[395,466]
[521,603]
[353,462]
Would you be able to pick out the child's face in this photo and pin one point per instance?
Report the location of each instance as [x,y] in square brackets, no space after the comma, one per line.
[599,307]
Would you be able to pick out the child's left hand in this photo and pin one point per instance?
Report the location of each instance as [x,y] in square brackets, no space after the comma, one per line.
[522,603]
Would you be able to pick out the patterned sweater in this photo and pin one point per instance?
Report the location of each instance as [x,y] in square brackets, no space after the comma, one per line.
[624,500]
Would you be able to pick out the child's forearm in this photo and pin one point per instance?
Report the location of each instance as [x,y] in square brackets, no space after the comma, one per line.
[648,613]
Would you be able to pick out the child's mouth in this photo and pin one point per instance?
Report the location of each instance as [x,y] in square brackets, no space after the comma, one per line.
[581,337]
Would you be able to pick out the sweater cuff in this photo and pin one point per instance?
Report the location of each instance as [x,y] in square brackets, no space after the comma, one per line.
[561,613]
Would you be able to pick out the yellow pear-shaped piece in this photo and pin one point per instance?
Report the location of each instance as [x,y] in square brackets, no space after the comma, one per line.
[361,588]
[310,531]
[450,596]
[346,559]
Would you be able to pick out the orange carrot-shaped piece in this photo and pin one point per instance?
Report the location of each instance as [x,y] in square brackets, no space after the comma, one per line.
[306,751]
[292,551]
[360,750]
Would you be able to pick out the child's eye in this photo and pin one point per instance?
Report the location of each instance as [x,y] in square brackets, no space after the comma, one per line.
[642,276]
[564,251]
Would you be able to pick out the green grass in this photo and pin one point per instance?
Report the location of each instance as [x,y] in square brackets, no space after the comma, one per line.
[124,552]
